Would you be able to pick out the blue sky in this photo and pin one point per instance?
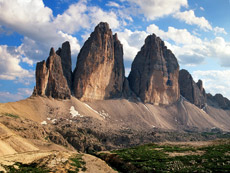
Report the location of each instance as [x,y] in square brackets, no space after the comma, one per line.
[197,31]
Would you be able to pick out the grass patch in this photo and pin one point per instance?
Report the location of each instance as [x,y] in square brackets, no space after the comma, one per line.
[11,115]
[78,163]
[156,158]
[23,168]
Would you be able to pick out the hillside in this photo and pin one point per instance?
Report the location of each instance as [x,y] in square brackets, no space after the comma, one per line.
[97,108]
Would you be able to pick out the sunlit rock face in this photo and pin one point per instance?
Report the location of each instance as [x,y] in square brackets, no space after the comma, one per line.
[50,80]
[154,73]
[99,73]
[65,53]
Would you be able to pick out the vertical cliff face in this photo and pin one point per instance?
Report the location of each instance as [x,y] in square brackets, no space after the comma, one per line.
[50,80]
[219,100]
[154,73]
[65,53]
[193,92]
[99,72]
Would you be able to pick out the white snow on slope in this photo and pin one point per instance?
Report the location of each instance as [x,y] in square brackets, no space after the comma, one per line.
[102,113]
[74,113]
[43,123]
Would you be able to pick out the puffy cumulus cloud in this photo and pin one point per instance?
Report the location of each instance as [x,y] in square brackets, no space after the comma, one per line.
[74,18]
[153,9]
[41,30]
[132,42]
[213,81]
[24,12]
[220,49]
[38,26]
[10,68]
[97,15]
[219,30]
[21,93]
[190,18]
[191,50]
[179,36]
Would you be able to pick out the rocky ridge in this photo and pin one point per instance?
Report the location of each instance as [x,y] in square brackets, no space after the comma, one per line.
[192,91]
[100,74]
[219,100]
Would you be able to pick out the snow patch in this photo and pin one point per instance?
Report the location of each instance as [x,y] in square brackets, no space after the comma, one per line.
[48,118]
[102,113]
[53,121]
[91,108]
[74,113]
[43,123]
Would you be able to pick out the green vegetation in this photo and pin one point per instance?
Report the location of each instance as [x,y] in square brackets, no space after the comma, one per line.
[77,163]
[11,115]
[22,168]
[171,158]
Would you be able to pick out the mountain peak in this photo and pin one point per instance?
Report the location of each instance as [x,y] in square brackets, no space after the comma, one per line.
[99,72]
[154,73]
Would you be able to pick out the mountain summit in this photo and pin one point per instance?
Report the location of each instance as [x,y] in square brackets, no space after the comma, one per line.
[154,73]
[99,73]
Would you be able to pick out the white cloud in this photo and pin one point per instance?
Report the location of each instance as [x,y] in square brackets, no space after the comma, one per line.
[179,36]
[190,18]
[22,93]
[215,81]
[202,9]
[10,68]
[191,50]
[41,30]
[132,42]
[220,49]
[38,26]
[73,19]
[153,9]
[97,15]
[112,4]
[218,30]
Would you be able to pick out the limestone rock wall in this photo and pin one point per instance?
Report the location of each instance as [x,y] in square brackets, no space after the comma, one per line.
[99,72]
[50,80]
[193,92]
[154,73]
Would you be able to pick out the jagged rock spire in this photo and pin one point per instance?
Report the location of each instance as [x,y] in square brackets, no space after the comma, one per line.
[154,73]
[99,73]
[50,80]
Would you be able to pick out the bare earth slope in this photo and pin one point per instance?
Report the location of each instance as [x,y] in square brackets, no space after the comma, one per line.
[119,113]
[35,130]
